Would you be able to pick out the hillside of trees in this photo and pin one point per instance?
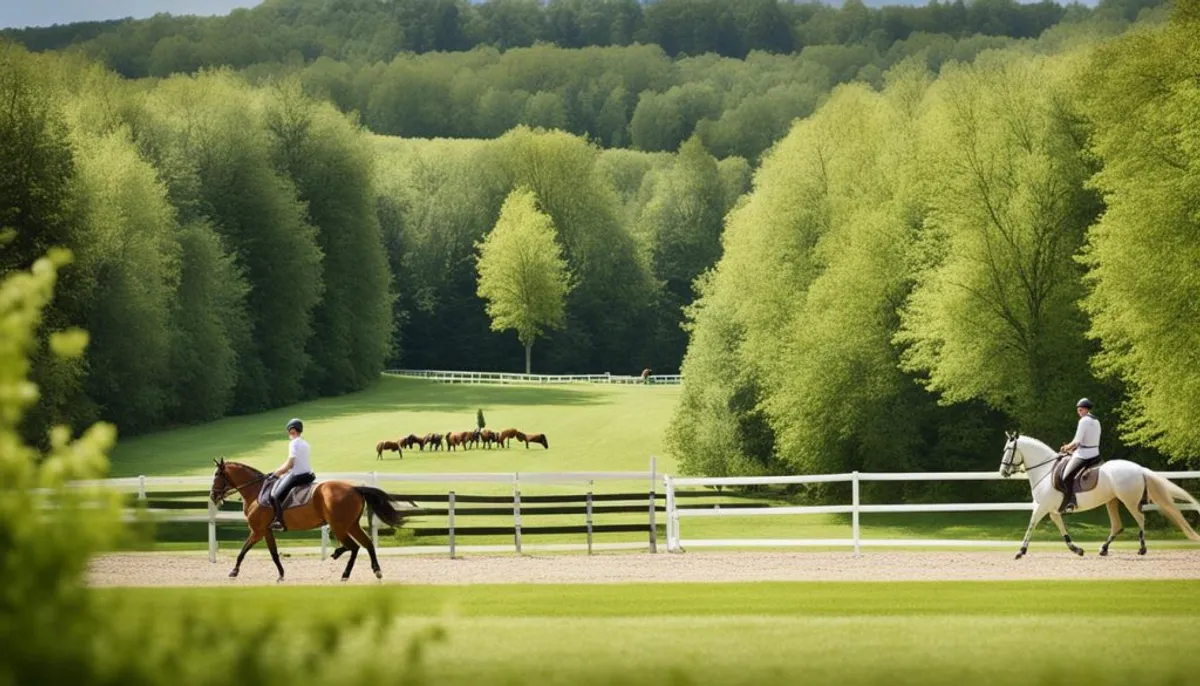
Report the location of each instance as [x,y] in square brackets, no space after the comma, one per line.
[863,258]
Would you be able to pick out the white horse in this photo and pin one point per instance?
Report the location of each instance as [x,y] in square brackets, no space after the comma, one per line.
[1120,480]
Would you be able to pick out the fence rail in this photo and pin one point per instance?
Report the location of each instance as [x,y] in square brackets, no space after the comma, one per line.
[448,376]
[676,543]
[153,501]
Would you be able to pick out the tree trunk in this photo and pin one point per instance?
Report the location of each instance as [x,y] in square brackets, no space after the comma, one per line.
[528,348]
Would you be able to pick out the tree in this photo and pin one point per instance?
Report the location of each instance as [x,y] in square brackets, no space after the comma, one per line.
[1142,96]
[994,315]
[522,273]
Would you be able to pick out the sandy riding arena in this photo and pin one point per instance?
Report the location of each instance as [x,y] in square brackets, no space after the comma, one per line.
[163,569]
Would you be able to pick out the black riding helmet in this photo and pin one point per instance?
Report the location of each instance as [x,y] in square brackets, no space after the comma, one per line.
[1084,402]
[299,426]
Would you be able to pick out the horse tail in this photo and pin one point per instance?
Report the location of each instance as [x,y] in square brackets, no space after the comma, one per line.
[381,505]
[1163,492]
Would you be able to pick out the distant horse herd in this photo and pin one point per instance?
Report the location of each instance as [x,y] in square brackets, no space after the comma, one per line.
[460,439]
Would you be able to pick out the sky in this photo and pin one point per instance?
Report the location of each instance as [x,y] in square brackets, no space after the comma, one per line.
[21,13]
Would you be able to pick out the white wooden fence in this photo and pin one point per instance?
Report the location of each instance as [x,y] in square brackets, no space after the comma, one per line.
[513,378]
[144,486]
[676,542]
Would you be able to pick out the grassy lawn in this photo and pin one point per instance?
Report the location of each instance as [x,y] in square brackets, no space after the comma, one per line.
[776,633]
[590,427]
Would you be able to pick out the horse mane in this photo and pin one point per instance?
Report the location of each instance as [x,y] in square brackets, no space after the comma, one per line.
[245,466]
[1033,442]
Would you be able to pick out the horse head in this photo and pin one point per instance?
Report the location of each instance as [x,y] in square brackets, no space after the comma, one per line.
[220,485]
[1011,456]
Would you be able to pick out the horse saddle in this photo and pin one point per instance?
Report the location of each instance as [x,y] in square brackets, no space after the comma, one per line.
[298,496]
[1085,480]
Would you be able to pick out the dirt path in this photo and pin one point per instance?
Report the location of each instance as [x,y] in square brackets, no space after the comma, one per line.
[174,569]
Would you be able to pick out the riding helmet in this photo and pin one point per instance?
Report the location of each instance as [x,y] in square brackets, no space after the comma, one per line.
[299,426]
[1084,402]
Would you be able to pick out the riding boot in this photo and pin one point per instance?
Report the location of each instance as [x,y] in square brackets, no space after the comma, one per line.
[1068,502]
[278,524]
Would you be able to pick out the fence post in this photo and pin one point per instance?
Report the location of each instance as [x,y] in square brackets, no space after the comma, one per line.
[450,524]
[212,531]
[854,510]
[653,528]
[371,519]
[589,517]
[672,521]
[517,511]
[141,487]
[324,541]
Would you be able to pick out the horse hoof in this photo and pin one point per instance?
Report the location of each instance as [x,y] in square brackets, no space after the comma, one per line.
[233,574]
[1019,556]
[378,574]
[1078,551]
[1142,551]
[279,580]
[1104,552]
[345,578]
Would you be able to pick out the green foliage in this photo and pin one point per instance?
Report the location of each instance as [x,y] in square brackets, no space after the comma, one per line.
[522,273]
[330,165]
[1143,100]
[994,314]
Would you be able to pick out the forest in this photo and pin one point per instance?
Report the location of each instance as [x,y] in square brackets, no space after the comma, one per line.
[869,238]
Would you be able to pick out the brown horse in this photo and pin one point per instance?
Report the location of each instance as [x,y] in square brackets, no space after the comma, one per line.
[337,503]
[411,440]
[457,438]
[434,441]
[506,436]
[381,446]
[488,437]
[536,438]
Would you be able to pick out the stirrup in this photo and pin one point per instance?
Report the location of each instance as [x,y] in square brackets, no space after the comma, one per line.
[278,526]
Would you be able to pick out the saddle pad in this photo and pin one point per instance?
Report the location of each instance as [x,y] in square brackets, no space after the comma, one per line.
[1085,480]
[298,496]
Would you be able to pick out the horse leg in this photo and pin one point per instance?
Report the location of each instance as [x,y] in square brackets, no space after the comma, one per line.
[349,544]
[1115,528]
[274,554]
[1135,509]
[1038,513]
[357,532]
[1062,529]
[250,541]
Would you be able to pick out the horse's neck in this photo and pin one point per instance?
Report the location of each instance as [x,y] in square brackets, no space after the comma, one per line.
[1038,457]
[248,481]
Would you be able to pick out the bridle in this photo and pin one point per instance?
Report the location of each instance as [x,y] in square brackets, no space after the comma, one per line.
[229,485]
[1007,466]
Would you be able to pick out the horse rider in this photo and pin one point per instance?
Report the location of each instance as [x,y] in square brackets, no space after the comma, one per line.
[1084,450]
[297,470]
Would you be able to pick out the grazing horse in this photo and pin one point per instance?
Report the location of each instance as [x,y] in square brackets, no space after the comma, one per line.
[536,438]
[411,440]
[434,441]
[488,437]
[456,438]
[1120,480]
[505,437]
[392,446]
[337,503]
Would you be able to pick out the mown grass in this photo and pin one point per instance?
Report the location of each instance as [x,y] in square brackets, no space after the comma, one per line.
[1094,632]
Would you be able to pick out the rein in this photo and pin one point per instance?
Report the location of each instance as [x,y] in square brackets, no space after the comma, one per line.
[229,487]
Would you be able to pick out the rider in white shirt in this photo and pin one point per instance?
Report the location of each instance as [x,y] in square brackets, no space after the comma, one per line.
[297,470]
[1084,450]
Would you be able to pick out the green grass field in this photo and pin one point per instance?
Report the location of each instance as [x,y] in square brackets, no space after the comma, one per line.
[589,426]
[1085,632]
